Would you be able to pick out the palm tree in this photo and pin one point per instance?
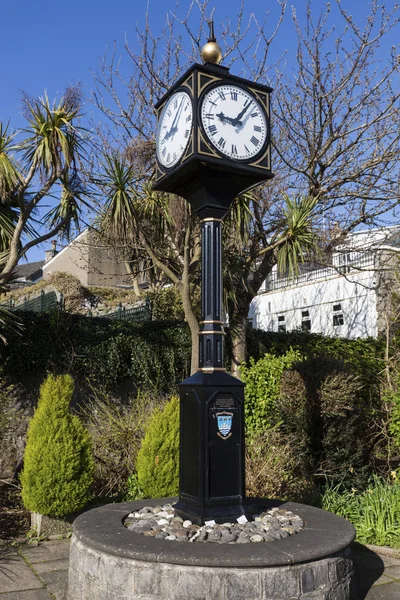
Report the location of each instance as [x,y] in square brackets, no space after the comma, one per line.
[44,163]
[161,228]
[151,227]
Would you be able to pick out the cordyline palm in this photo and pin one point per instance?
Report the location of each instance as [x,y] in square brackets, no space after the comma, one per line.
[46,158]
[52,143]
[253,246]
[155,228]
[132,212]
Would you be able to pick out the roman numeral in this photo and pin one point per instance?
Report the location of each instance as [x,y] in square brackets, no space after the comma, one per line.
[221,142]
[169,113]
[187,133]
[257,128]
[174,155]
[246,148]
[188,118]
[255,141]
[164,150]
[175,102]
[209,116]
[213,103]
[212,129]
[254,114]
[234,149]
[168,157]
[221,95]
[234,95]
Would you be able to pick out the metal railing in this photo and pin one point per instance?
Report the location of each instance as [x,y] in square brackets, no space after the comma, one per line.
[276,282]
[139,314]
[40,304]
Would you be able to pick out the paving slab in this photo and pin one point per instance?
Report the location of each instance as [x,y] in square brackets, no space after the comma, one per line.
[54,550]
[393,571]
[388,591]
[15,574]
[41,594]
[56,582]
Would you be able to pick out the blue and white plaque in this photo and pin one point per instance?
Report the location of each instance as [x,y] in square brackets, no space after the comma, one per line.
[224,422]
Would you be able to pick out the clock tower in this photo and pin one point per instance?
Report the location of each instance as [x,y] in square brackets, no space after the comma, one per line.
[213,143]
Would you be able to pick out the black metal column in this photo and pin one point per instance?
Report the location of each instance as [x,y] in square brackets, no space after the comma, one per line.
[211,347]
[212,408]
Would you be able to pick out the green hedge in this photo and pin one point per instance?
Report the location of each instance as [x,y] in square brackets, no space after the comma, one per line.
[107,353]
[99,352]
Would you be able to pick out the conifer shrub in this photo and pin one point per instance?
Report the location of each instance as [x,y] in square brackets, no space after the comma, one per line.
[58,463]
[157,462]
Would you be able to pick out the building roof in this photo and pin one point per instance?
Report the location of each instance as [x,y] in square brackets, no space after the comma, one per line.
[29,271]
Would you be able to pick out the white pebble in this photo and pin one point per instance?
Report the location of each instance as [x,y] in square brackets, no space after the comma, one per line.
[162,522]
[171,537]
[187,524]
[162,514]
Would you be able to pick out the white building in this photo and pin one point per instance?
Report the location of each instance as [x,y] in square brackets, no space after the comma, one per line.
[348,299]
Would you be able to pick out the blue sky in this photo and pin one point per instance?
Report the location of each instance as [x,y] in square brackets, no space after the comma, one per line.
[46,45]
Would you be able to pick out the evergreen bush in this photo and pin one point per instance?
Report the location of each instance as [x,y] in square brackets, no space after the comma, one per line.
[58,462]
[263,379]
[157,462]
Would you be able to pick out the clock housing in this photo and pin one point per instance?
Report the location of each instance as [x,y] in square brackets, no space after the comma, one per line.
[205,176]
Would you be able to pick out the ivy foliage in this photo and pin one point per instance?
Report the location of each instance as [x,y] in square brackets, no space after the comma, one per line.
[263,380]
[99,352]
[157,462]
[105,353]
[58,462]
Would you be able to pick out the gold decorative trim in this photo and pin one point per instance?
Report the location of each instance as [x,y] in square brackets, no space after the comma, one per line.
[200,138]
[211,79]
[210,369]
[210,219]
[210,332]
[210,322]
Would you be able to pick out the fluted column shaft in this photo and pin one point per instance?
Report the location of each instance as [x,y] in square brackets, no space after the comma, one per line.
[211,335]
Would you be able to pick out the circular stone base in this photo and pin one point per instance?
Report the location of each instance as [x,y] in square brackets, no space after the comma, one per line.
[109,562]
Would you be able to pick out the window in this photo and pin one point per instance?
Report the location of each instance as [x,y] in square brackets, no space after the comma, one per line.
[305,320]
[281,324]
[337,315]
[344,263]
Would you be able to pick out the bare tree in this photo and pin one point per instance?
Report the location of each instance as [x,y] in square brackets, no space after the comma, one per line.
[335,124]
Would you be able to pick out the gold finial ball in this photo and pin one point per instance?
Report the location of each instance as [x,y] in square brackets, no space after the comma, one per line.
[211,53]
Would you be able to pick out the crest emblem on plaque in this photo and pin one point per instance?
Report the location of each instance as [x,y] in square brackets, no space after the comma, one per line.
[224,423]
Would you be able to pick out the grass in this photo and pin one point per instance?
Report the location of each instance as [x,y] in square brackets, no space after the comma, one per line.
[374,512]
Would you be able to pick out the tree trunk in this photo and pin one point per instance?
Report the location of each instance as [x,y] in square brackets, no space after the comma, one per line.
[193,325]
[238,333]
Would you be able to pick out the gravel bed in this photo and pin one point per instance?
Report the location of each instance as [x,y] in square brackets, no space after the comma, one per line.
[267,526]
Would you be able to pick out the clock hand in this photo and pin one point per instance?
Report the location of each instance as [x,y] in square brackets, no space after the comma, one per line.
[223,118]
[174,129]
[240,115]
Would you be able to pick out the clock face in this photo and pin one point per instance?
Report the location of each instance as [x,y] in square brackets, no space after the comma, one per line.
[174,129]
[234,121]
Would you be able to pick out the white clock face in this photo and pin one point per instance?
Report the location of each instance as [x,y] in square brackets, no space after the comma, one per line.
[234,121]
[174,128]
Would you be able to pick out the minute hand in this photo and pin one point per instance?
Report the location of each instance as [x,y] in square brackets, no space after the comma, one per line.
[236,121]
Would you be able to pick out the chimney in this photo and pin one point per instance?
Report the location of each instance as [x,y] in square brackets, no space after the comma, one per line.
[49,254]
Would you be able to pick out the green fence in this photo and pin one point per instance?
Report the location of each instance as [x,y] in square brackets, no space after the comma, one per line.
[139,313]
[41,303]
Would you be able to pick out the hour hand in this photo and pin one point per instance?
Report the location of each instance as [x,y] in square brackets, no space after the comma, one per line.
[170,133]
[223,118]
